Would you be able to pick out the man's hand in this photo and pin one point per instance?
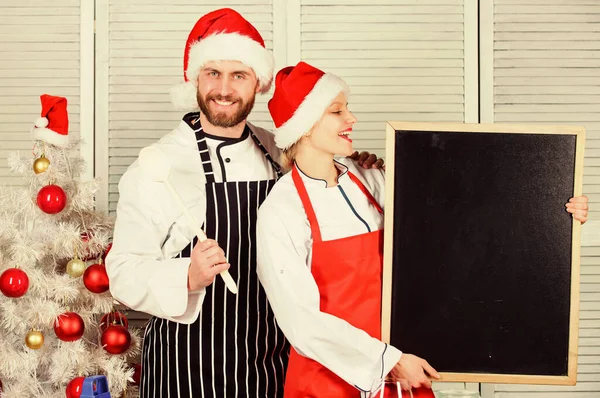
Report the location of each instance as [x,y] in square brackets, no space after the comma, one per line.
[578,207]
[207,260]
[414,370]
[367,160]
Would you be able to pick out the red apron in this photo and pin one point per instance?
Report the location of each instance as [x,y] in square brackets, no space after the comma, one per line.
[348,274]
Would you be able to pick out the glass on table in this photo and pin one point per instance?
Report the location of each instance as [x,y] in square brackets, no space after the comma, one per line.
[392,389]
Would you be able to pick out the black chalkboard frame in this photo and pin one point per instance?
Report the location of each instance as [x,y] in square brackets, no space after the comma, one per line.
[396,127]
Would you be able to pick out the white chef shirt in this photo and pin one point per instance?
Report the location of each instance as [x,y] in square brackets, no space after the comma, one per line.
[150,229]
[284,247]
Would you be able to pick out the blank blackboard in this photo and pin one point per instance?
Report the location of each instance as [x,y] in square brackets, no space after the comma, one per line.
[481,273]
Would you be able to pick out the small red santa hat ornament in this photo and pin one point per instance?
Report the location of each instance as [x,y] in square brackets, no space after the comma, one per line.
[302,94]
[221,35]
[53,125]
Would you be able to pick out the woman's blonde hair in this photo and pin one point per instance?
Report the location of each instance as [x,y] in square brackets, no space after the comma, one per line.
[288,156]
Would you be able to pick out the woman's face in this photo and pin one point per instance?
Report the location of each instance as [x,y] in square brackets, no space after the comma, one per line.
[332,132]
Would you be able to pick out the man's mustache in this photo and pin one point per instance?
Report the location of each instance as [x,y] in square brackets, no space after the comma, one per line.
[227,98]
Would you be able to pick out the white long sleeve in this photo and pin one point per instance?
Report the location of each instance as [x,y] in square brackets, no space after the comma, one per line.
[283,249]
[142,273]
[150,230]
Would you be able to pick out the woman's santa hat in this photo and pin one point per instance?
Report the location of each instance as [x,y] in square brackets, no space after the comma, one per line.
[302,94]
[221,35]
[53,125]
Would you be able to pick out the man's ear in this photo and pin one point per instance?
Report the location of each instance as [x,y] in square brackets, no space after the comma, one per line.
[256,91]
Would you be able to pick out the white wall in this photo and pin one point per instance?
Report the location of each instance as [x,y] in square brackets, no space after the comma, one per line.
[39,54]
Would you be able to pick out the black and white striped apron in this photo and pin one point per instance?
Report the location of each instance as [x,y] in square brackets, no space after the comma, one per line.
[234,348]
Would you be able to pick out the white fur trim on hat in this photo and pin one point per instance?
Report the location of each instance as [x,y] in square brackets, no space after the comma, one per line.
[310,110]
[223,47]
[50,136]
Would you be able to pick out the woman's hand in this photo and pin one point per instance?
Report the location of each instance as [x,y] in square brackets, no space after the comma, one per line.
[578,207]
[414,370]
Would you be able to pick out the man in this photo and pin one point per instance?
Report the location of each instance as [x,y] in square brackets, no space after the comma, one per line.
[204,341]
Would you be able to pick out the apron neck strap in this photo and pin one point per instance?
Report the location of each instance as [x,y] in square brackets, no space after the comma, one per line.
[205,157]
[366,192]
[274,164]
[310,212]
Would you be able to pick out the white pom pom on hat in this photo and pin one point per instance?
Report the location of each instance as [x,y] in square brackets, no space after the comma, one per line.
[183,97]
[41,122]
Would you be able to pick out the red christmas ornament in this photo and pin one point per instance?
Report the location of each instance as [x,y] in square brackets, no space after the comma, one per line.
[14,282]
[74,387]
[113,318]
[95,278]
[106,252]
[51,199]
[137,374]
[116,339]
[69,326]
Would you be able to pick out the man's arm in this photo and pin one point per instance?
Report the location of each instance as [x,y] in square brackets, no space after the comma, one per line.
[367,160]
[140,276]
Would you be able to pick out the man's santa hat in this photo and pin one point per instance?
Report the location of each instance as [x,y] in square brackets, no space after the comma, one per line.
[221,35]
[53,125]
[302,94]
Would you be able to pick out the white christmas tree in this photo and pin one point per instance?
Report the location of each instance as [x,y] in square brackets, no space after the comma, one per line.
[57,318]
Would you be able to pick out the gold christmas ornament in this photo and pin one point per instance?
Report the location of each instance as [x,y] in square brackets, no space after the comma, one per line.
[40,165]
[34,339]
[75,268]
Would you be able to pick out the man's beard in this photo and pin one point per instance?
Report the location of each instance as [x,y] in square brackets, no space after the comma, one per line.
[221,119]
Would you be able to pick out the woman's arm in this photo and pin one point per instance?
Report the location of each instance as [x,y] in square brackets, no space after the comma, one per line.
[294,297]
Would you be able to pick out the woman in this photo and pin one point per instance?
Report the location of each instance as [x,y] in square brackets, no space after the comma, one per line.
[331,279]
[319,248]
